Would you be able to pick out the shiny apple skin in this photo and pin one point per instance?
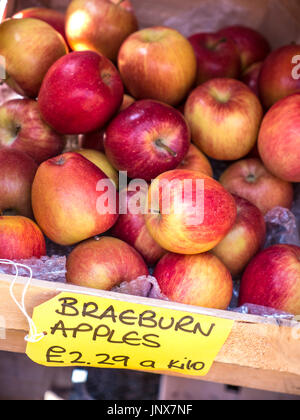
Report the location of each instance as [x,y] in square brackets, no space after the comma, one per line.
[100,25]
[158,63]
[23,128]
[182,232]
[198,280]
[251,44]
[65,194]
[249,179]
[131,228]
[276,79]
[104,263]
[225,117]
[217,57]
[131,139]
[272,279]
[245,239]
[20,238]
[17,174]
[30,47]
[279,139]
[53,17]
[80,93]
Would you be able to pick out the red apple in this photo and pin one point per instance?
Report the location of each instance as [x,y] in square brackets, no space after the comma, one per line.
[131,227]
[95,139]
[73,199]
[189,212]
[249,179]
[251,77]
[22,128]
[100,25]
[199,280]
[279,139]
[104,263]
[147,139]
[245,239]
[16,178]
[20,238]
[252,46]
[277,79]
[272,279]
[225,117]
[53,17]
[158,63]
[195,160]
[217,57]
[29,47]
[80,93]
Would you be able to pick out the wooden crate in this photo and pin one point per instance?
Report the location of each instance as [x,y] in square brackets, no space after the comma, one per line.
[260,353]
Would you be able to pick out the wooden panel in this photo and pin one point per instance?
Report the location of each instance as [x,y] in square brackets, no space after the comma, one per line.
[264,346]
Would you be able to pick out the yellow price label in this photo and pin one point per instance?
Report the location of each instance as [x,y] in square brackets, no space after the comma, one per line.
[91,331]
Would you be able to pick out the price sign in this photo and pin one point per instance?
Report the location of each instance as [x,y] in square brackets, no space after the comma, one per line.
[90,331]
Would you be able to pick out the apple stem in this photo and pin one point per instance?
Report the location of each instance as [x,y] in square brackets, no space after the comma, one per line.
[161,144]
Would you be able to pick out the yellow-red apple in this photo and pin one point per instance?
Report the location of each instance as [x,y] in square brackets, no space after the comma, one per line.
[189,212]
[104,263]
[100,25]
[249,179]
[131,227]
[73,200]
[225,117]
[22,128]
[245,239]
[100,160]
[195,160]
[16,178]
[272,279]
[279,139]
[20,238]
[158,63]
[199,280]
[29,47]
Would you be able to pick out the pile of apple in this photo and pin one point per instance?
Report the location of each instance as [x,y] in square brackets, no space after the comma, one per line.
[160,108]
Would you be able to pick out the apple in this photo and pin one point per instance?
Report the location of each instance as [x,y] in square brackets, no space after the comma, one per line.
[252,46]
[225,117]
[22,128]
[147,139]
[279,139]
[80,93]
[189,212]
[53,17]
[100,160]
[198,280]
[100,25]
[277,79]
[158,63]
[245,239]
[195,160]
[249,179]
[95,139]
[251,77]
[104,263]
[20,239]
[131,227]
[217,57]
[17,174]
[272,279]
[29,47]
[72,199]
